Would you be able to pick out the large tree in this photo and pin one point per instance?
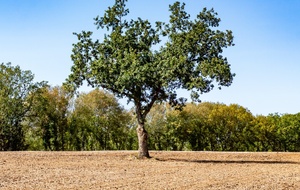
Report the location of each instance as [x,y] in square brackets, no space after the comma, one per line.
[16,87]
[147,64]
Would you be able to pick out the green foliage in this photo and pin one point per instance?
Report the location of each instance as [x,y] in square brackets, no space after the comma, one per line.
[126,63]
[231,125]
[288,132]
[49,117]
[98,122]
[16,87]
[266,129]
[95,121]
[206,126]
[219,127]
[156,124]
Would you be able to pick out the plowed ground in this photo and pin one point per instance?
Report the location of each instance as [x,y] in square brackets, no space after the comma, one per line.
[166,170]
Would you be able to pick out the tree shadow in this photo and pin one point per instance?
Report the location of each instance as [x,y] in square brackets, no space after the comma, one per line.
[228,161]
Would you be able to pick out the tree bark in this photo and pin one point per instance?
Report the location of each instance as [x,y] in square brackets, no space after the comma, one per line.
[143,142]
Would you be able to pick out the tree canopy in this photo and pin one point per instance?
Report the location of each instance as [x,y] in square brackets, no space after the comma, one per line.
[105,122]
[148,64]
[16,87]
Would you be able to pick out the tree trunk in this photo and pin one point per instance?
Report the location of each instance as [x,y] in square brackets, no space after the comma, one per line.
[143,139]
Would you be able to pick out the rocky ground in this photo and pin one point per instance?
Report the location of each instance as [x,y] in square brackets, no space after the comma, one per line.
[166,170]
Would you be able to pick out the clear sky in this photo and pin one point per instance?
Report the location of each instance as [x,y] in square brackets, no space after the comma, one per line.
[37,36]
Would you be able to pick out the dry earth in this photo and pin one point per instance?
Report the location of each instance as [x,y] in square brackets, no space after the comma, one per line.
[166,170]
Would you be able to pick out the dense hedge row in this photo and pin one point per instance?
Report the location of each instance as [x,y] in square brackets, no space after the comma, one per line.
[219,127]
[96,121]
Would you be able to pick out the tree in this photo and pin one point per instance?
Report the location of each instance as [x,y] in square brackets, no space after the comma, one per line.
[266,128]
[232,126]
[188,56]
[289,132]
[156,124]
[196,117]
[16,87]
[49,117]
[98,122]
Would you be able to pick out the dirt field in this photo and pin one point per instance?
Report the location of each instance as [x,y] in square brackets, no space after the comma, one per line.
[166,170]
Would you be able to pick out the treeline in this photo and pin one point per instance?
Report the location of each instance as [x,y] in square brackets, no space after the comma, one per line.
[219,127]
[36,116]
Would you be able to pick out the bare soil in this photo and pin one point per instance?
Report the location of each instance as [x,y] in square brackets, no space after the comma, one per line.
[165,170]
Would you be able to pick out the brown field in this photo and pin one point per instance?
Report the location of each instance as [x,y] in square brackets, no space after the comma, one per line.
[166,170]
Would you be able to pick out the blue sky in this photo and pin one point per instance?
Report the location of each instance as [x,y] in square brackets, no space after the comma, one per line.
[37,35]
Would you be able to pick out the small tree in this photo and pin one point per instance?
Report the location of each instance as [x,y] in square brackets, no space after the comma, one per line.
[127,64]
